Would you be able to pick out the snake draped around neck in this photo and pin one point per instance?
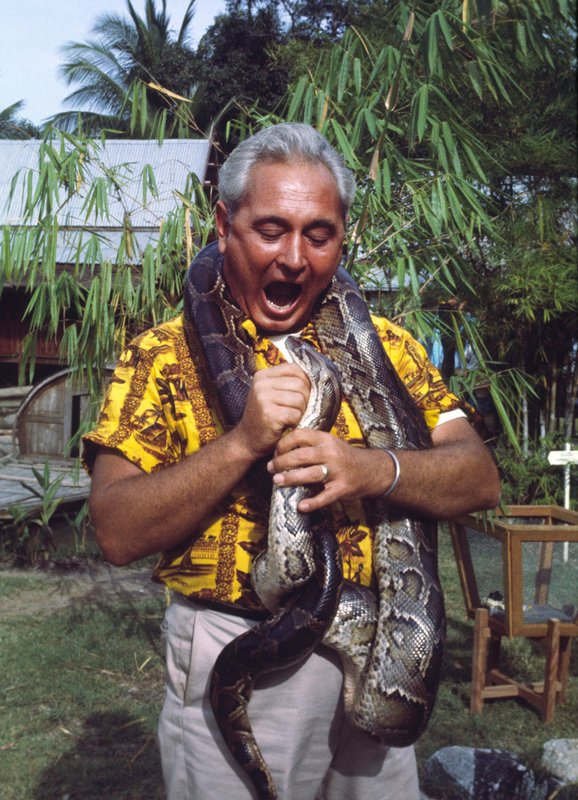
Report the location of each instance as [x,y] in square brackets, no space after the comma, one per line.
[404,670]
[214,330]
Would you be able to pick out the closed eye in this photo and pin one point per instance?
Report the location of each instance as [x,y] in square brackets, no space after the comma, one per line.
[270,234]
[318,241]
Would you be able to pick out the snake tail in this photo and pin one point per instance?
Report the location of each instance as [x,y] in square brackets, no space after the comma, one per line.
[282,640]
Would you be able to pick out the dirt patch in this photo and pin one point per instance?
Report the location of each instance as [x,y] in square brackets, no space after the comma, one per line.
[58,588]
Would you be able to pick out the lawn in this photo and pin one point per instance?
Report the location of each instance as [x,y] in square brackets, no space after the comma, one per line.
[82,688]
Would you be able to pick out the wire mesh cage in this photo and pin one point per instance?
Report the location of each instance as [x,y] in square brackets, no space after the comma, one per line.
[522,565]
[519,576]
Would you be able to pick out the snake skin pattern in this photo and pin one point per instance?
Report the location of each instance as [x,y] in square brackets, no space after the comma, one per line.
[282,640]
[288,560]
[390,682]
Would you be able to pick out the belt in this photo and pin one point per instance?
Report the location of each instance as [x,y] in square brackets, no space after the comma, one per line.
[227,608]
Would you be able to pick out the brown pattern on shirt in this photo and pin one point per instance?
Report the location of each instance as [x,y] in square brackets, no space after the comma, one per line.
[340,426]
[227,556]
[142,363]
[203,416]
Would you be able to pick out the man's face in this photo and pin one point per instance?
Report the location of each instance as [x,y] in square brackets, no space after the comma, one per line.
[283,245]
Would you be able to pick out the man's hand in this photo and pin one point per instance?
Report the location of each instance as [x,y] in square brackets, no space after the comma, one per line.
[301,455]
[276,402]
[455,476]
[136,514]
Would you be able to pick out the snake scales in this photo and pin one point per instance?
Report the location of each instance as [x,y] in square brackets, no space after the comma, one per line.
[398,683]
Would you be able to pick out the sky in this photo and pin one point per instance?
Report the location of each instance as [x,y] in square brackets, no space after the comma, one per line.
[33,31]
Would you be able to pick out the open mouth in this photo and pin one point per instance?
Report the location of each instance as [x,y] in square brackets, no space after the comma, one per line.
[282,296]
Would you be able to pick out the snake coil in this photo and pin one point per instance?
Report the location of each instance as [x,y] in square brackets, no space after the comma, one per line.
[391,683]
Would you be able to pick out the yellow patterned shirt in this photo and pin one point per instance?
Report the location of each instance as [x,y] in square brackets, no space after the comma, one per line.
[157,412]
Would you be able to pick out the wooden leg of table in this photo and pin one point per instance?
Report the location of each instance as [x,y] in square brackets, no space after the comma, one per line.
[479,659]
[494,646]
[551,674]
[563,667]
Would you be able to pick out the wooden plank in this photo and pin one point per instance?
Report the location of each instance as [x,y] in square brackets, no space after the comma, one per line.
[479,660]
[17,481]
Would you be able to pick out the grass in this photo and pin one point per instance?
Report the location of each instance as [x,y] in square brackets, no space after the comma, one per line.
[80,694]
[82,688]
[17,583]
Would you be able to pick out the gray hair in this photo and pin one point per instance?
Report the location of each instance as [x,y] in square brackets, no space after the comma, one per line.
[288,141]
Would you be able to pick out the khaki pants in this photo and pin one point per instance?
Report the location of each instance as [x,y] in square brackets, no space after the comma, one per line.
[297,719]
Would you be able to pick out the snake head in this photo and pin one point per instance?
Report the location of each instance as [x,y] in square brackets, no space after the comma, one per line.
[325,396]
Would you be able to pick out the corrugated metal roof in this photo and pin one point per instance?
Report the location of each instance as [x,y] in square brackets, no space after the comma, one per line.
[172,163]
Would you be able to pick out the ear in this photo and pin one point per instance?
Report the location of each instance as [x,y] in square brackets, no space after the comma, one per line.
[223,225]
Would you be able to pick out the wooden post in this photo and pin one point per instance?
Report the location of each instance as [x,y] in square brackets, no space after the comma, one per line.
[564,667]
[479,659]
[551,672]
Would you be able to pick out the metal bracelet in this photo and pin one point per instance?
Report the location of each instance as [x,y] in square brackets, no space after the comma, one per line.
[395,481]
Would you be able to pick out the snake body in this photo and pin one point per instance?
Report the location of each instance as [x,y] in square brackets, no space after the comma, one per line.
[391,680]
[288,560]
[282,640]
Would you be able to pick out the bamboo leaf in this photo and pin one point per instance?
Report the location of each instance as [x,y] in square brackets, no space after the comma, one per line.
[371,122]
[474,163]
[357,75]
[343,77]
[343,142]
[419,112]
[378,66]
[386,181]
[297,97]
[308,105]
[445,29]
[521,37]
[432,46]
[475,78]
[504,417]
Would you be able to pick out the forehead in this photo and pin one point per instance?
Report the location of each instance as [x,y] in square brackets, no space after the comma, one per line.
[293,188]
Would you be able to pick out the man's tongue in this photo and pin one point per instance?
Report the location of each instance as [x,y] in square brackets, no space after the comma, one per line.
[282,295]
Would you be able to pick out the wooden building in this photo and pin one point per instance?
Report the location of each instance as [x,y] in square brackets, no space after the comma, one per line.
[42,424]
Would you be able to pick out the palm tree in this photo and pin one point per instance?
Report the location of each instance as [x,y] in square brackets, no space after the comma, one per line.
[125,53]
[12,126]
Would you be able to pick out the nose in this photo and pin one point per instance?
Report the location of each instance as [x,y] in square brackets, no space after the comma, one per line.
[292,256]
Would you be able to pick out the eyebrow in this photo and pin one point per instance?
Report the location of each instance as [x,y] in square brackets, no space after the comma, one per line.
[282,222]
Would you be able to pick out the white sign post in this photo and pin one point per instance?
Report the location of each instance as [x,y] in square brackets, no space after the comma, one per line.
[564,458]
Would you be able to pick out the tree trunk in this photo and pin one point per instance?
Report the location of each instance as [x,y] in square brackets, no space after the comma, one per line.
[554,372]
[571,393]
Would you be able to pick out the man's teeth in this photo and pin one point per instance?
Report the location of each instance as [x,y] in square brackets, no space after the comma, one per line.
[280,306]
[281,296]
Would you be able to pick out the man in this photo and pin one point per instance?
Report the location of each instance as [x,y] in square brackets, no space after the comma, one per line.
[169,478]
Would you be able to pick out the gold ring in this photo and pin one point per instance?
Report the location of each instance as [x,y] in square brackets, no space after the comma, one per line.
[325,472]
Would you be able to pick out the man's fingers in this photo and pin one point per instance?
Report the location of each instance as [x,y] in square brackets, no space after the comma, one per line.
[324,498]
[303,476]
[294,458]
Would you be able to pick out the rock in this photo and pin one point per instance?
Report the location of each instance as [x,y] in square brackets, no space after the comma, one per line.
[560,758]
[467,773]
[569,792]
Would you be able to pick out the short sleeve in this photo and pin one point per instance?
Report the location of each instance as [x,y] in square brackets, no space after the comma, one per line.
[422,380]
[137,417]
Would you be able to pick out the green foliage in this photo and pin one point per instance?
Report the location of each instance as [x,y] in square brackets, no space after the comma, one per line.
[235,63]
[127,55]
[530,480]
[424,111]
[97,303]
[457,120]
[12,126]
[29,537]
[424,212]
[81,527]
